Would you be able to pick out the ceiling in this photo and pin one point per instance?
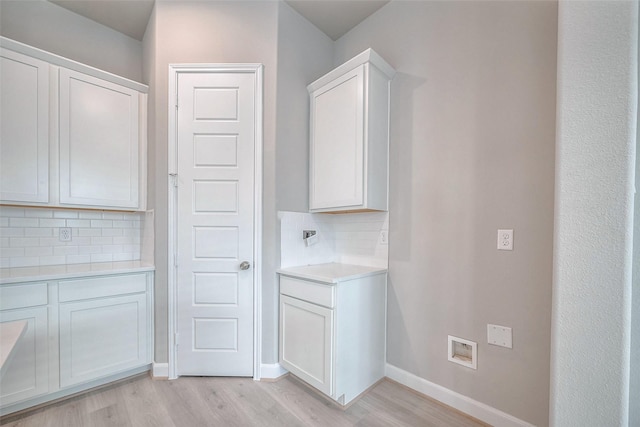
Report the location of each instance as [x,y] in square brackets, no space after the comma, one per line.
[333,17]
[126,16]
[336,17]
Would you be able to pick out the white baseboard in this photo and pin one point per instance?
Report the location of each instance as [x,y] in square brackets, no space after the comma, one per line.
[456,400]
[271,370]
[160,370]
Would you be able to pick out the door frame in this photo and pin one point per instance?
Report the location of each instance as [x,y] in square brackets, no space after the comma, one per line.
[174,71]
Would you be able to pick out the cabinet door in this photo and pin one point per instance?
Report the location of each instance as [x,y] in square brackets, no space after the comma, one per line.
[103,336]
[27,375]
[306,342]
[99,142]
[24,128]
[337,142]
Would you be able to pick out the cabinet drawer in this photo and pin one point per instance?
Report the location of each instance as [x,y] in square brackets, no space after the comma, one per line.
[19,296]
[75,290]
[313,292]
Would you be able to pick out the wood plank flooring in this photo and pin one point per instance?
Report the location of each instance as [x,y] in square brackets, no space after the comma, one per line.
[196,401]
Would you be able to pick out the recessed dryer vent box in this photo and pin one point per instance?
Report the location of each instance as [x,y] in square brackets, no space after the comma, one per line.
[463,352]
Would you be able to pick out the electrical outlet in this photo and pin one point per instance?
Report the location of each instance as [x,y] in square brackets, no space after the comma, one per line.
[505,240]
[64,234]
[384,237]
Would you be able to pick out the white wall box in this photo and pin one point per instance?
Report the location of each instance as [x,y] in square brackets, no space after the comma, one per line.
[77,133]
[332,331]
[349,136]
[81,333]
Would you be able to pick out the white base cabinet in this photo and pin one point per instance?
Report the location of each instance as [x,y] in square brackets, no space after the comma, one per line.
[81,333]
[332,335]
[307,342]
[28,373]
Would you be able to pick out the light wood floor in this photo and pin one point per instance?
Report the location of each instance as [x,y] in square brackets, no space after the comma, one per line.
[195,401]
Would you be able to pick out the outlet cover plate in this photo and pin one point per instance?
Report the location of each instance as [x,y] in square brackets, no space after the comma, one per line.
[64,234]
[505,240]
[499,335]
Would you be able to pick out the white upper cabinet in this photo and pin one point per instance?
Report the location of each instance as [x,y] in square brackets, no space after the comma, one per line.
[349,136]
[98,142]
[24,128]
[71,135]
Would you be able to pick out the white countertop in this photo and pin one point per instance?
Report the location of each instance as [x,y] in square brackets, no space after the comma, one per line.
[55,272]
[10,334]
[332,272]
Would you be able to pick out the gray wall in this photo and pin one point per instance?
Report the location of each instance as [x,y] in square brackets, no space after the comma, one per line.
[472,150]
[54,29]
[304,54]
[634,389]
[596,138]
[161,334]
[210,32]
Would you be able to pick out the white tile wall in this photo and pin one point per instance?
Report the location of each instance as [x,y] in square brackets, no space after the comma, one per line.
[29,236]
[345,238]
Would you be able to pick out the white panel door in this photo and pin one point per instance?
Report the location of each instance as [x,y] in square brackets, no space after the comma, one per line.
[24,128]
[99,143]
[216,127]
[337,142]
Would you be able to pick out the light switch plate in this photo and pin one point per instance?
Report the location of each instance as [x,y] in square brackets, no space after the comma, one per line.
[499,335]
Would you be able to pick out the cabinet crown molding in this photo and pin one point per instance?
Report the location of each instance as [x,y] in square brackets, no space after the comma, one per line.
[368,56]
[61,61]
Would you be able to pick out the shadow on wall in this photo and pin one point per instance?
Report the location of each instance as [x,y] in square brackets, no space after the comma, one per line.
[401,143]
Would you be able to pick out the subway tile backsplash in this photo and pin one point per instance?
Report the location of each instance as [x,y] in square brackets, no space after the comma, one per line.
[347,238]
[29,236]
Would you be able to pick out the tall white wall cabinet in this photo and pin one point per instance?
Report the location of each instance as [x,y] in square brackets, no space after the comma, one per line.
[71,135]
[83,330]
[349,136]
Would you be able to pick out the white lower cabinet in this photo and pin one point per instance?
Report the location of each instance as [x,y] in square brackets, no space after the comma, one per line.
[105,335]
[307,341]
[332,335]
[28,375]
[81,333]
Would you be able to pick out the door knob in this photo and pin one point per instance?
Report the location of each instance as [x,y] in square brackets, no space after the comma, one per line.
[244,265]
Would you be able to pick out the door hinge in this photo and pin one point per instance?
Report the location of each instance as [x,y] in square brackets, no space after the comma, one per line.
[174,179]
[176,101]
[176,339]
[175,260]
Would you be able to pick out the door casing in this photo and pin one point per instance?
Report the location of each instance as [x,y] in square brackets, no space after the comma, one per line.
[174,71]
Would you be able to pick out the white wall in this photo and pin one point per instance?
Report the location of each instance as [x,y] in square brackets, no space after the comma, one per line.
[472,150]
[596,137]
[52,28]
[29,236]
[347,239]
